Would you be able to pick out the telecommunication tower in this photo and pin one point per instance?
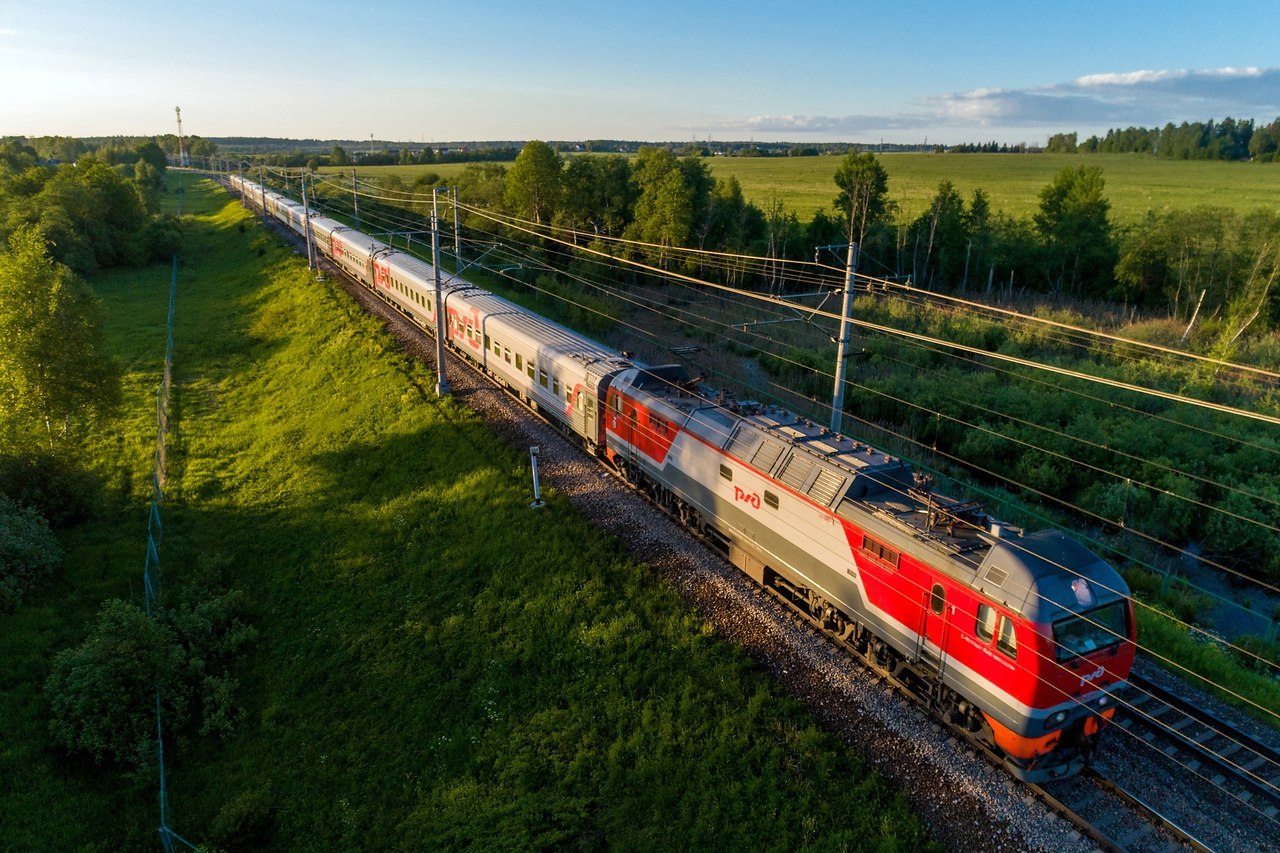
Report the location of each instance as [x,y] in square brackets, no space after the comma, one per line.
[182,150]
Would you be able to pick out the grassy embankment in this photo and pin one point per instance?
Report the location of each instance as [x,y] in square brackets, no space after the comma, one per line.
[437,666]
[1135,183]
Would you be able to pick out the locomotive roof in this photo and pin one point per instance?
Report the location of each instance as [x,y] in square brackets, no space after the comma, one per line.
[1042,576]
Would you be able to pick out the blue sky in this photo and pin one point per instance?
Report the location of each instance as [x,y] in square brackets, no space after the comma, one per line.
[658,70]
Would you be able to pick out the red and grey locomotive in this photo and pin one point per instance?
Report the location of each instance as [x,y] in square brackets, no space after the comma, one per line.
[1025,639]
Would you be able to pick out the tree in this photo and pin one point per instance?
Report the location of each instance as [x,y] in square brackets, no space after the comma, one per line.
[52,367]
[533,183]
[597,195]
[102,693]
[92,215]
[1073,222]
[338,157]
[864,190]
[1062,143]
[28,551]
[938,239]
[664,211]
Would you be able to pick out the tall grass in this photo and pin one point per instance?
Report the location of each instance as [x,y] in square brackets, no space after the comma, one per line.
[437,665]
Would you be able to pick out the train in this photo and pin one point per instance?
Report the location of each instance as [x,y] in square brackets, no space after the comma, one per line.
[1023,640]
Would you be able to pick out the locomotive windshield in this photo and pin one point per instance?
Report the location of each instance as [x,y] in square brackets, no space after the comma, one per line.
[1090,631]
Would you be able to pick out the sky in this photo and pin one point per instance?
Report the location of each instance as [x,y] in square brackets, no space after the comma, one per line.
[787,70]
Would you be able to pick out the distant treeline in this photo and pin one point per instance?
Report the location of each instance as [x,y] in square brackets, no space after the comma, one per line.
[1229,139]
[112,150]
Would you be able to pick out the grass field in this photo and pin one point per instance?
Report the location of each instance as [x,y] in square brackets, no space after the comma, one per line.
[437,667]
[1135,183]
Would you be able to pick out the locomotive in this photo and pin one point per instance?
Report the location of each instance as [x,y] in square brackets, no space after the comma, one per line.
[1025,640]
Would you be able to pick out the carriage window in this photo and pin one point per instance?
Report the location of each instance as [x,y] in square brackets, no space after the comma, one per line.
[555,385]
[542,377]
[937,598]
[519,362]
[1008,642]
[506,354]
[529,369]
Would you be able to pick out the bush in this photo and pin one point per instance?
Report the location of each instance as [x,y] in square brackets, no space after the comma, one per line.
[161,238]
[103,692]
[62,493]
[28,551]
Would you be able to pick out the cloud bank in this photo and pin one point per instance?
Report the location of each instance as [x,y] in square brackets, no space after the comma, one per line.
[1143,98]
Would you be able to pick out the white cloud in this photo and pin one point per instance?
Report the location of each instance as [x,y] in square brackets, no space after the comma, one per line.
[1095,101]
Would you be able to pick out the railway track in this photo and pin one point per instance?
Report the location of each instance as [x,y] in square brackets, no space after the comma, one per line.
[1102,809]
[1242,766]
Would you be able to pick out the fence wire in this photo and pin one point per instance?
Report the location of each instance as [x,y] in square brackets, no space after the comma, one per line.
[155,534]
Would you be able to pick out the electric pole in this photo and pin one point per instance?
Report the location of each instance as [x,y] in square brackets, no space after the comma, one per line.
[842,354]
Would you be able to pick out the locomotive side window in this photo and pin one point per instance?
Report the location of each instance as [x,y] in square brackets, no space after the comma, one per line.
[880,551]
[771,499]
[726,472]
[986,625]
[937,598]
[1008,642]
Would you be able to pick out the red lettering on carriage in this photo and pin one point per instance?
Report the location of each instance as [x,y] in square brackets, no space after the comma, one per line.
[750,498]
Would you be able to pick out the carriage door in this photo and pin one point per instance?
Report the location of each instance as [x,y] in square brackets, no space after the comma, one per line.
[587,402]
[936,620]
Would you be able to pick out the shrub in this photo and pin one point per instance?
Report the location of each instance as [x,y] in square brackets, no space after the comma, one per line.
[103,692]
[62,493]
[28,551]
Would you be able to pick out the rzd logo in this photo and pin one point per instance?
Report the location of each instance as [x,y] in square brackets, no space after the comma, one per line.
[750,498]
[1096,674]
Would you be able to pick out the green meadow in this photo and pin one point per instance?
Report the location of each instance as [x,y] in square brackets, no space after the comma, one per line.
[1135,183]
[436,666]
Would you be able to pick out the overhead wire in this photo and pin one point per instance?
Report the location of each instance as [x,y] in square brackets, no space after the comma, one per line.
[1065,503]
[588,308]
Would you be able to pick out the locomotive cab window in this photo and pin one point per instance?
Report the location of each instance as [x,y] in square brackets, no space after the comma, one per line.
[1090,631]
[1008,641]
[986,624]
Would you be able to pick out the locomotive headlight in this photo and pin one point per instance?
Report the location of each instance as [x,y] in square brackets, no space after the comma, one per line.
[1057,719]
